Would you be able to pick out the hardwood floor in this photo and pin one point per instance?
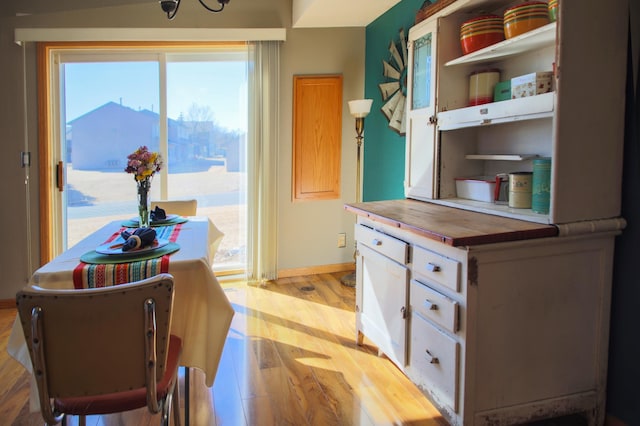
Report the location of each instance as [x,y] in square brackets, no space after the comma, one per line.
[290,359]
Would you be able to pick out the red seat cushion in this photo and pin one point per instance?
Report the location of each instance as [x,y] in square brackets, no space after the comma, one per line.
[122,401]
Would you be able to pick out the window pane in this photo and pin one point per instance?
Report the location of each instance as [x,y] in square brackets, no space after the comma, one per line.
[110,108]
[207,112]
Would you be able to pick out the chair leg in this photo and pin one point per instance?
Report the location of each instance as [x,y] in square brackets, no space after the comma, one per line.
[82,421]
[176,404]
[187,386]
[165,409]
[171,402]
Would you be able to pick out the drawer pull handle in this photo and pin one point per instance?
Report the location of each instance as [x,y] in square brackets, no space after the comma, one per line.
[432,267]
[430,305]
[432,359]
[376,242]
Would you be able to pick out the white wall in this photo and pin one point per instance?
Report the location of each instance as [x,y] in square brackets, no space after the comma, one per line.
[15,260]
[307,230]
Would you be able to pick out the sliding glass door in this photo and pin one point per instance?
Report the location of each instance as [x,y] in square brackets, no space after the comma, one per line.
[191,106]
[207,100]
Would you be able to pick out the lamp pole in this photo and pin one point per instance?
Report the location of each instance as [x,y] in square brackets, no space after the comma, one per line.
[358,109]
[359,137]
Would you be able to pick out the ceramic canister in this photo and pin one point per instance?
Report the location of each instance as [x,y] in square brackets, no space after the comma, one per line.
[553,10]
[541,185]
[520,190]
[481,85]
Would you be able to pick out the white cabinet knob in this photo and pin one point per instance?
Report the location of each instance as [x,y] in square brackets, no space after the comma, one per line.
[430,305]
[432,267]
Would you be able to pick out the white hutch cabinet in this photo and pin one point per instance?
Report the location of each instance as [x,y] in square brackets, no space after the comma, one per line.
[579,125]
[498,321]
[501,315]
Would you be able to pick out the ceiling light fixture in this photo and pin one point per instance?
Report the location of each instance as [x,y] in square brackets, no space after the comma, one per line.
[170,7]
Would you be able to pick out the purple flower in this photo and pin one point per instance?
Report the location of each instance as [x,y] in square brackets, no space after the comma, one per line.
[143,164]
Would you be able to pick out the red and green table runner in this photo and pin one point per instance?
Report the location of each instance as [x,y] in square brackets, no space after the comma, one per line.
[97,270]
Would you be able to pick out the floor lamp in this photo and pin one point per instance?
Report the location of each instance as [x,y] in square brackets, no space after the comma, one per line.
[359,109]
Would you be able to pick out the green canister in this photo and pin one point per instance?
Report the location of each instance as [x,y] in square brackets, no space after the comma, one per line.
[541,185]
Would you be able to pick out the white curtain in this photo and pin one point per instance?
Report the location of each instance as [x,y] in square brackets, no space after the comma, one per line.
[262,161]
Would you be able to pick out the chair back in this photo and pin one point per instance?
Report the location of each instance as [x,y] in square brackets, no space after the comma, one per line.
[179,207]
[97,341]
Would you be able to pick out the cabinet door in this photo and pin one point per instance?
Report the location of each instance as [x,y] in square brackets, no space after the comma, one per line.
[383,288]
[420,148]
[317,137]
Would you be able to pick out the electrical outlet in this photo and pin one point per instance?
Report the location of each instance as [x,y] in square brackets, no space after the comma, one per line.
[342,240]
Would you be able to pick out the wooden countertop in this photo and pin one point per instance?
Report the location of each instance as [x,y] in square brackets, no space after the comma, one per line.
[448,225]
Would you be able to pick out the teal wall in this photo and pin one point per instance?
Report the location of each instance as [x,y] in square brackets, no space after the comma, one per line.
[383,159]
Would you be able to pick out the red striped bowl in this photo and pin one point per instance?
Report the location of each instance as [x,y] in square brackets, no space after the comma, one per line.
[480,32]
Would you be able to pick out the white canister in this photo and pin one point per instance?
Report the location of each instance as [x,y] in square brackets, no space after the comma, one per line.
[520,190]
[481,85]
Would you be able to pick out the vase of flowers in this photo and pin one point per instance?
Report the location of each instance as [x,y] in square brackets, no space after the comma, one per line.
[143,164]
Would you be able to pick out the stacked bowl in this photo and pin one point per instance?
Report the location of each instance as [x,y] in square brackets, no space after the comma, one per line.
[525,17]
[553,10]
[480,32]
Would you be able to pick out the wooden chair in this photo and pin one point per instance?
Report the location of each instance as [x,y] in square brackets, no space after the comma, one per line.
[179,207]
[103,350]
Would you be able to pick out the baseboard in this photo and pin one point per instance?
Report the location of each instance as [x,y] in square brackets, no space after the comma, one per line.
[7,303]
[313,270]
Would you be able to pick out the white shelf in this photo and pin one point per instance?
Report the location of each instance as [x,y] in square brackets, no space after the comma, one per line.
[501,157]
[529,108]
[534,39]
[494,209]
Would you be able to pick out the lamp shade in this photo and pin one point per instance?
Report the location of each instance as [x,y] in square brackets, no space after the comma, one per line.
[360,108]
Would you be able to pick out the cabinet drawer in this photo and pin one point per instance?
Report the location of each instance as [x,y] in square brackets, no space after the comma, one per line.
[434,362]
[437,268]
[434,305]
[387,245]
[498,112]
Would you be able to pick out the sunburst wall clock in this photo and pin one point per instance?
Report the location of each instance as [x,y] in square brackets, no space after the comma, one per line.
[394,89]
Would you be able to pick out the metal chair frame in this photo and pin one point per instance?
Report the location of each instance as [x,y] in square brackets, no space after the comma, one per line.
[40,308]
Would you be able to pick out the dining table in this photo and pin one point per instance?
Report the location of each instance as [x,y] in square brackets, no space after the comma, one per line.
[202,313]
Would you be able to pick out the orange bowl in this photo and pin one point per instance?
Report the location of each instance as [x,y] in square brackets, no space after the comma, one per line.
[480,32]
[525,17]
